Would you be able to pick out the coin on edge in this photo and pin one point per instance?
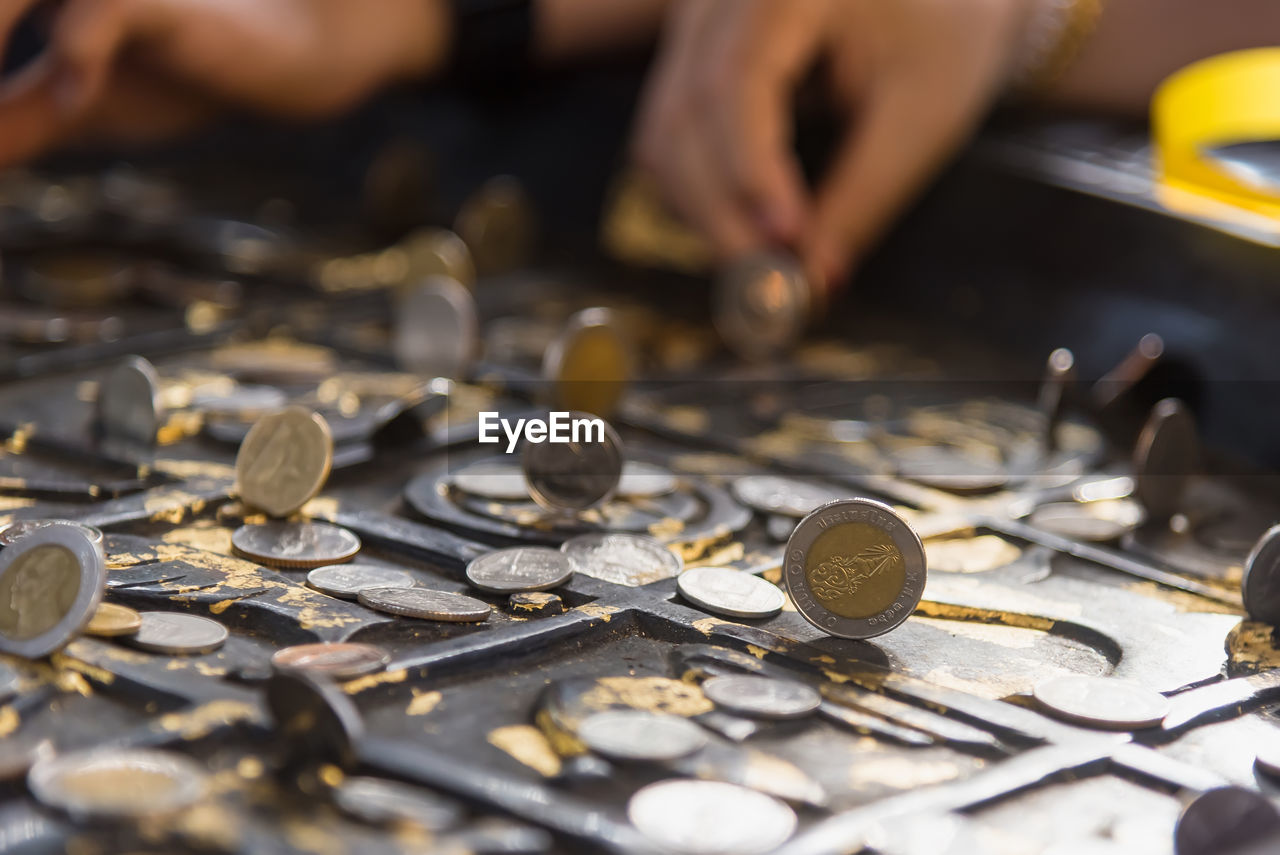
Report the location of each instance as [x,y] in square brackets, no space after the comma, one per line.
[1166,456]
[1227,819]
[178,633]
[129,402]
[284,460]
[854,568]
[623,559]
[51,581]
[729,592]
[641,735]
[573,476]
[1260,585]
[710,818]
[588,366]
[761,305]
[295,544]
[436,329]
[519,569]
[11,532]
[763,697]
[338,660]
[117,783]
[1106,703]
[346,581]
[110,620]
[425,604]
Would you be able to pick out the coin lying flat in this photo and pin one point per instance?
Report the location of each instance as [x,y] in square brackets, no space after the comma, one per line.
[588,366]
[295,544]
[710,818]
[178,633]
[129,402]
[950,470]
[645,481]
[51,581]
[1095,522]
[729,592]
[641,735]
[436,329]
[573,476]
[1102,702]
[1166,456]
[623,559]
[338,660]
[770,494]
[763,697]
[520,569]
[492,479]
[284,460]
[1227,819]
[240,402]
[117,783]
[380,802]
[20,528]
[854,568]
[1260,586]
[348,580]
[761,305]
[426,604]
[110,620]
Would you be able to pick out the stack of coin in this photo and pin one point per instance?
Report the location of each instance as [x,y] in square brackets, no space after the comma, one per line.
[284,461]
[569,477]
[51,581]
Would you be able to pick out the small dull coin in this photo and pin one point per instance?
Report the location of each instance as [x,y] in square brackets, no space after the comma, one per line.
[761,305]
[1260,586]
[567,477]
[111,620]
[520,569]
[284,460]
[492,479]
[436,329]
[1227,819]
[51,581]
[645,481]
[1105,703]
[588,365]
[178,633]
[337,660]
[129,402]
[1167,454]
[1095,522]
[771,494]
[425,604]
[762,697]
[10,533]
[638,735]
[623,559]
[710,818]
[346,581]
[380,802]
[729,592]
[295,544]
[117,783]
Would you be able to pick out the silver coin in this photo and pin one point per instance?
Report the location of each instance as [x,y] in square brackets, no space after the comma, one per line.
[51,582]
[763,697]
[348,580]
[1260,586]
[295,544]
[710,818]
[436,329]
[380,802]
[1227,819]
[1094,522]
[493,479]
[178,633]
[338,660]
[1102,702]
[623,559]
[1166,456]
[950,470]
[117,783]
[426,604]
[645,481]
[729,592]
[761,305]
[519,569]
[770,494]
[129,402]
[21,528]
[240,401]
[641,735]
[573,476]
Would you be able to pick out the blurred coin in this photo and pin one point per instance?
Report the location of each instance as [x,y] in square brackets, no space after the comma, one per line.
[337,660]
[641,735]
[110,620]
[1260,586]
[22,324]
[9,682]
[588,365]
[1268,759]
[492,479]
[854,568]
[79,280]
[240,402]
[519,569]
[1095,522]
[623,559]
[284,460]
[780,527]
[573,476]
[950,470]
[761,305]
[1165,458]
[276,361]
[763,697]
[380,802]
[729,592]
[314,719]
[499,225]
[178,633]
[494,836]
[398,187]
[129,402]
[118,783]
[434,252]
[348,580]
[51,581]
[17,758]
[970,554]
[436,328]
[1106,703]
[770,494]
[426,604]
[645,481]
[1227,820]
[1059,378]
[17,529]
[710,818]
[295,544]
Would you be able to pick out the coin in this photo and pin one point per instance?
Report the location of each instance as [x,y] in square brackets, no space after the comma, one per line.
[117,783]
[432,252]
[339,660]
[314,718]
[1268,758]
[129,402]
[938,467]
[10,533]
[763,697]
[970,554]
[492,479]
[710,818]
[770,494]
[1106,703]
[1166,456]
[573,476]
[78,280]
[780,526]
[729,592]
[641,735]
[9,682]
[110,620]
[1059,378]
[854,568]
[295,544]
[178,633]
[623,559]
[51,581]
[426,604]
[1260,586]
[240,401]
[380,802]
[761,305]
[519,569]
[1227,819]
[498,224]
[1095,522]
[284,460]
[645,481]
[436,329]
[348,580]
[588,365]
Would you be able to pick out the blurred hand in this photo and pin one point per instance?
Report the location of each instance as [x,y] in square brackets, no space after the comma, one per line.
[911,76]
[142,68]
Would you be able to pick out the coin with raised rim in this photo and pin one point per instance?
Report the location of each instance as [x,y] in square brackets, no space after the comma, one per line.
[295,544]
[640,735]
[729,592]
[178,633]
[1260,585]
[337,660]
[568,477]
[1107,703]
[284,460]
[623,559]
[761,304]
[710,818]
[426,604]
[519,569]
[10,533]
[348,580]
[111,620]
[129,402]
[1167,454]
[51,581]
[762,697]
[118,783]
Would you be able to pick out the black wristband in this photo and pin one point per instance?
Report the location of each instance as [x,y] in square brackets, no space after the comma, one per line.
[492,40]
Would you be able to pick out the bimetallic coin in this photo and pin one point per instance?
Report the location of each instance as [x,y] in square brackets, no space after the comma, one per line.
[854,568]
[10,533]
[763,697]
[436,329]
[337,660]
[710,818]
[348,580]
[623,559]
[380,802]
[295,544]
[640,735]
[1225,820]
[111,620]
[761,305]
[1260,586]
[492,479]
[574,476]
[284,460]
[129,402]
[1095,522]
[1165,458]
[499,225]
[645,481]
[426,604]
[1105,703]
[178,633]
[588,366]
[520,569]
[117,783]
[770,494]
[729,592]
[51,581]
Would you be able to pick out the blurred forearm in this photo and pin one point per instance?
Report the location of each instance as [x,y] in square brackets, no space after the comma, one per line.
[569,29]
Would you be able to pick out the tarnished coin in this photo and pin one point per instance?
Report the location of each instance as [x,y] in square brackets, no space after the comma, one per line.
[641,735]
[710,818]
[645,481]
[1260,586]
[1165,458]
[436,329]
[763,697]
[295,544]
[338,660]
[380,802]
[588,365]
[1106,703]
[284,460]
[129,402]
[573,476]
[1095,522]
[1227,819]
[770,494]
[729,592]
[117,783]
[492,479]
[348,580]
[519,569]
[178,633]
[499,225]
[111,619]
[761,305]
[10,533]
[51,581]
[854,568]
[623,559]
[426,604]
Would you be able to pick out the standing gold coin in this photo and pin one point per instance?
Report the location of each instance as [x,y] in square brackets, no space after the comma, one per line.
[111,620]
[284,460]
[588,366]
